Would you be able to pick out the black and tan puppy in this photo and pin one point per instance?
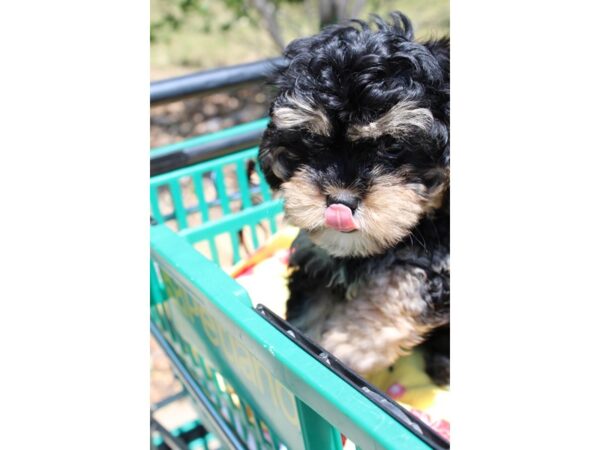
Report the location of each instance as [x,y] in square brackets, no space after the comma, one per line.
[359,147]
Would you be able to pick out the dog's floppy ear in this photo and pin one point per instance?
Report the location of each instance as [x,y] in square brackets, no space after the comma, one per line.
[440,49]
[272,159]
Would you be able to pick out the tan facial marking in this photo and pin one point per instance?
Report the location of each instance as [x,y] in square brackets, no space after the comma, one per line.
[300,113]
[401,118]
[391,209]
[304,204]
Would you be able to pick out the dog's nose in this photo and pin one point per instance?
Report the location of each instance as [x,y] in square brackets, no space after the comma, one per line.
[344,198]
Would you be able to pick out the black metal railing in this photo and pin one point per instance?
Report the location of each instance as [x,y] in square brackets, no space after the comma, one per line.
[210,81]
[178,158]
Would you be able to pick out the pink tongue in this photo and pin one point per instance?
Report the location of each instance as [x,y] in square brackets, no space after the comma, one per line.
[339,217]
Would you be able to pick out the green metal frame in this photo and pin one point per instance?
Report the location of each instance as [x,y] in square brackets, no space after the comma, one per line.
[272,393]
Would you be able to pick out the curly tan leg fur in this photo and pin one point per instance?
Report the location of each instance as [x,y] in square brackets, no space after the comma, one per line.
[379,321]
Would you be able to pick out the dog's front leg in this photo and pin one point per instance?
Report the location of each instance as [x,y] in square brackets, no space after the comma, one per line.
[380,320]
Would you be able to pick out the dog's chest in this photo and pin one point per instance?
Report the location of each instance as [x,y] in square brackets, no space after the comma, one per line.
[408,280]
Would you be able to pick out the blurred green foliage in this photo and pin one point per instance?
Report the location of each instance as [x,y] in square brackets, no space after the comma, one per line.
[173,15]
[209,33]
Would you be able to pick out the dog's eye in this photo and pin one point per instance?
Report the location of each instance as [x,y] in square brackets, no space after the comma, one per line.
[393,151]
[301,142]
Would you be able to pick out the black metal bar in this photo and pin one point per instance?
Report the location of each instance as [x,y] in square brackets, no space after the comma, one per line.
[192,434]
[172,441]
[152,446]
[209,81]
[192,155]
[216,422]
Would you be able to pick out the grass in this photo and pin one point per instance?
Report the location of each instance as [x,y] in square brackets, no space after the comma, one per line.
[193,48]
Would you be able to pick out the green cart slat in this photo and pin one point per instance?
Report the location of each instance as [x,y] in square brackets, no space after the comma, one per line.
[155,209]
[205,215]
[242,180]
[180,212]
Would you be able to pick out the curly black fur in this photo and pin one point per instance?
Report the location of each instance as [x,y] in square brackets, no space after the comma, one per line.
[355,74]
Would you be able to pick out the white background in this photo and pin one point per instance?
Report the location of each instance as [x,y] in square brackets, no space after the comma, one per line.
[74,229]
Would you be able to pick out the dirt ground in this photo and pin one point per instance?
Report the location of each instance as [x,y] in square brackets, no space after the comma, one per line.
[198,115]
